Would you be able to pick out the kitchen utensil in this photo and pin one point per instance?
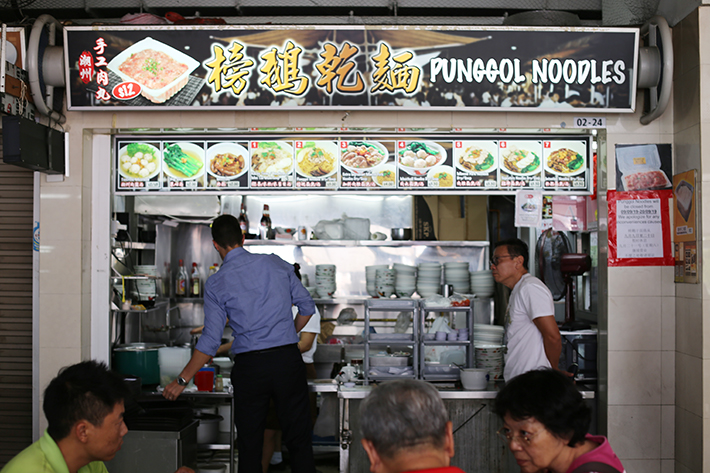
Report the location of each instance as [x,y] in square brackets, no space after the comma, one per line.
[204,379]
[401,233]
[138,359]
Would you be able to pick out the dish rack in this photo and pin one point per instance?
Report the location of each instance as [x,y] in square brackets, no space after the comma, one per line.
[398,367]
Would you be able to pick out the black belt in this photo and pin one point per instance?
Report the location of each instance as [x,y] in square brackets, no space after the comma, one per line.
[267,350]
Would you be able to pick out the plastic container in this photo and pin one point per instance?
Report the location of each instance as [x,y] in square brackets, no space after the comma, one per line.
[172,360]
[204,379]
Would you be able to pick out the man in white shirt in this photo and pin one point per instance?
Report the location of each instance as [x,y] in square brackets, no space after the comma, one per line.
[531,332]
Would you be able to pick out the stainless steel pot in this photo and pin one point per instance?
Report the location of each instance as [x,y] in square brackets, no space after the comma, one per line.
[208,430]
[401,233]
[138,359]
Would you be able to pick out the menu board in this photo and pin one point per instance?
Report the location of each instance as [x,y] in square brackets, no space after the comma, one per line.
[380,164]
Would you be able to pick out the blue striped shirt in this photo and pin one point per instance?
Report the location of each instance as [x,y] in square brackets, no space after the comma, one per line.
[255,293]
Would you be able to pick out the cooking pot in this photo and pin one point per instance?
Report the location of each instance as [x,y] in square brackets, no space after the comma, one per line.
[401,233]
[138,359]
[208,430]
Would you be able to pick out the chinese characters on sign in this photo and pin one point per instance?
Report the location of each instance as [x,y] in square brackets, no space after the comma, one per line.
[639,229]
[353,66]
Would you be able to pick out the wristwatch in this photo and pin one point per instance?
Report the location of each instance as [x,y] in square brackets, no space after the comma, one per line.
[181,381]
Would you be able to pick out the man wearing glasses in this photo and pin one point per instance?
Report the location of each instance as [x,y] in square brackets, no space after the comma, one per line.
[531,332]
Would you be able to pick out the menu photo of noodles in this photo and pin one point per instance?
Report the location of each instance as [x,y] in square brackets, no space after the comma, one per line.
[360,161]
[316,164]
[271,164]
[565,164]
[227,165]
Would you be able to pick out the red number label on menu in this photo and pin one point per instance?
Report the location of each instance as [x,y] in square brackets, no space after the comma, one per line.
[546,144]
[458,144]
[503,144]
[299,144]
[254,144]
[343,144]
[126,90]
[401,144]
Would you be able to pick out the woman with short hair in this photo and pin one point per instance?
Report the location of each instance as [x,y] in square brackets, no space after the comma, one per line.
[546,424]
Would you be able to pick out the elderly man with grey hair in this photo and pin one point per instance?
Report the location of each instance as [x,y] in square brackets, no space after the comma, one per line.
[405,428]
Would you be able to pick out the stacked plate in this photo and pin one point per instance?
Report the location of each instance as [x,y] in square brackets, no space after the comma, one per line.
[457,275]
[428,279]
[325,280]
[370,278]
[482,283]
[404,279]
[490,357]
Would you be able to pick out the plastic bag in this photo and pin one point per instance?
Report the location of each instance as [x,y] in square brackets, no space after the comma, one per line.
[345,228]
[347,316]
[459,300]
[404,320]
[437,300]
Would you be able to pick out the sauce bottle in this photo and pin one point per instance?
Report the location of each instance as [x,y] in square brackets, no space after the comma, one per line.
[195,281]
[265,230]
[243,219]
[181,281]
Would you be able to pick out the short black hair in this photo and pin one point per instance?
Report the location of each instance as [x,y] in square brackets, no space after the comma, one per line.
[84,391]
[516,247]
[549,397]
[226,231]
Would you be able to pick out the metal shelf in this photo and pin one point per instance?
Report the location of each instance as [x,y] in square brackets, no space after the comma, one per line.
[135,245]
[348,243]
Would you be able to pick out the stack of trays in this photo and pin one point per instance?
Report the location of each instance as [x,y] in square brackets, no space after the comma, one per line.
[457,275]
[482,283]
[404,279]
[428,279]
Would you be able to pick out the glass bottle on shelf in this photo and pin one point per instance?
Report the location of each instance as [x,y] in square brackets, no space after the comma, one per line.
[181,281]
[195,281]
[265,230]
[243,219]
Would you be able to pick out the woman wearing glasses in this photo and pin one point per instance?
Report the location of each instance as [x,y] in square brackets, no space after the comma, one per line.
[546,423]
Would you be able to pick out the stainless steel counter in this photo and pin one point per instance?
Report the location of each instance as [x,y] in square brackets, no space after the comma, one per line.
[360,392]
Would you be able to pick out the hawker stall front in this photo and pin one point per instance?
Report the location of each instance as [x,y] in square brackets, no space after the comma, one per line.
[399,155]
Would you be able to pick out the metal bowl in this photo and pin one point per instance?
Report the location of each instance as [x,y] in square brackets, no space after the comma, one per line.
[401,233]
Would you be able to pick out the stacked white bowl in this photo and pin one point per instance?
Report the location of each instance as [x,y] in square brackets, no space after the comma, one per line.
[405,281]
[457,274]
[325,280]
[482,283]
[384,282]
[484,334]
[490,357]
[489,348]
[370,278]
[428,279]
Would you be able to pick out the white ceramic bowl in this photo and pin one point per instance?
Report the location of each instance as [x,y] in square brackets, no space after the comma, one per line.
[474,379]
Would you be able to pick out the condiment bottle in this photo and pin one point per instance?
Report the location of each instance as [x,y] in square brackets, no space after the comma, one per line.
[181,281]
[265,230]
[219,384]
[195,281]
[243,219]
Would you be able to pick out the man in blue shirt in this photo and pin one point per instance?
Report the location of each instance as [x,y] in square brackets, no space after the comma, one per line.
[254,294]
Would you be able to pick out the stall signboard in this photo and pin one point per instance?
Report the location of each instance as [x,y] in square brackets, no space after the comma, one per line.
[379,164]
[353,66]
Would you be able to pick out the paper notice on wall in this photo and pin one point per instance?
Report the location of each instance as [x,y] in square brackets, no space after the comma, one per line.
[528,208]
[639,229]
